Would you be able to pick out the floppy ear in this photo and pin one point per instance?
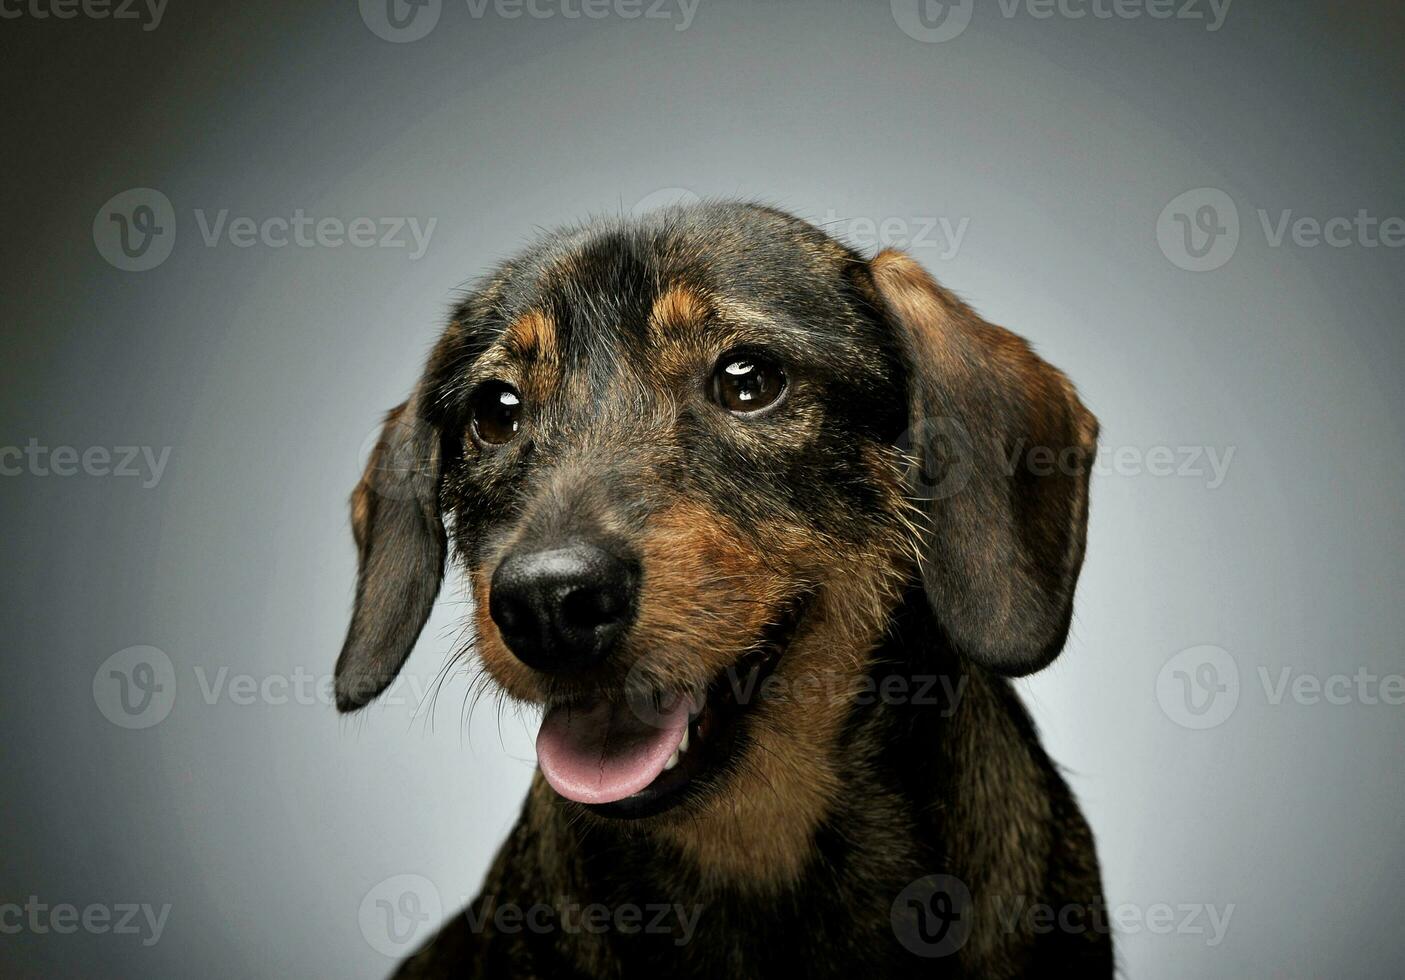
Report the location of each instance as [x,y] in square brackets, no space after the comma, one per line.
[1004,449]
[401,545]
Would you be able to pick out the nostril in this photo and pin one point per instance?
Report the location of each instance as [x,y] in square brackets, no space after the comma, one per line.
[507,612]
[589,607]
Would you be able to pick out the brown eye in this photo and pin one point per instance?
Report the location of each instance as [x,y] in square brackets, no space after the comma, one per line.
[497,412]
[747,382]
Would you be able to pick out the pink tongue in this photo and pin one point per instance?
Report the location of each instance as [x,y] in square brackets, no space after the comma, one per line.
[603,752]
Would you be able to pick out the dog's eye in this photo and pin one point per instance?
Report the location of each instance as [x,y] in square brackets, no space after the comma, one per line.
[747,382]
[497,412]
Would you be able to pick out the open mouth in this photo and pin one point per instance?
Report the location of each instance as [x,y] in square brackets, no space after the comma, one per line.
[628,759]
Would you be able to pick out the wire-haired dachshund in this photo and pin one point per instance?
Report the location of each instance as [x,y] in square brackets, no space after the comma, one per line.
[763,526]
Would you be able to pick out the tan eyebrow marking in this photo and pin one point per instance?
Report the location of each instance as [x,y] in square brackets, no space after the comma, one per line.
[739,312]
[676,308]
[532,335]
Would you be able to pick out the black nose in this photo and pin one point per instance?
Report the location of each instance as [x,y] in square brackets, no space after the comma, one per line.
[562,609]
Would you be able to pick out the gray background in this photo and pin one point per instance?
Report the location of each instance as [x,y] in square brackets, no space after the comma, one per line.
[264,825]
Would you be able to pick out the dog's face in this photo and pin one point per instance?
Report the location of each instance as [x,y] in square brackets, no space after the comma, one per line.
[687,467]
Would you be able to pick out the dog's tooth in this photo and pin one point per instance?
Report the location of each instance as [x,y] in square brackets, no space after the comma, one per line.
[672,761]
[683,745]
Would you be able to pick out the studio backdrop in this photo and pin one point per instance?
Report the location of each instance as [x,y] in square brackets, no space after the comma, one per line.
[233,231]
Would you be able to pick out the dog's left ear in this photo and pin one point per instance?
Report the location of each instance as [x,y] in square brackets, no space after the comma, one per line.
[401,545]
[1004,449]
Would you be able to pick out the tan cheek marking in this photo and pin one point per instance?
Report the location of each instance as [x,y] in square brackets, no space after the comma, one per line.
[759,832]
[717,590]
[703,587]
[515,677]
[708,591]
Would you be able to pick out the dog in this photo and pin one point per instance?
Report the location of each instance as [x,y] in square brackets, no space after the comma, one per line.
[763,526]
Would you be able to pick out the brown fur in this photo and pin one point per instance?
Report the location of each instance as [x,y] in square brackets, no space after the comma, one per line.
[834,802]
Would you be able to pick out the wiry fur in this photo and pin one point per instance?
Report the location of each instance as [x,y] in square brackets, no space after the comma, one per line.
[833,802]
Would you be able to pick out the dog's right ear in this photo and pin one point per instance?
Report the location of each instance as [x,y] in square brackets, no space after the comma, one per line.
[401,546]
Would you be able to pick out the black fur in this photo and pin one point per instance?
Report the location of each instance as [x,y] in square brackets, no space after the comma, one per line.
[950,781]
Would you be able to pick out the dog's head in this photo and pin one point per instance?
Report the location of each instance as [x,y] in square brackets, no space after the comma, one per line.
[700,455]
